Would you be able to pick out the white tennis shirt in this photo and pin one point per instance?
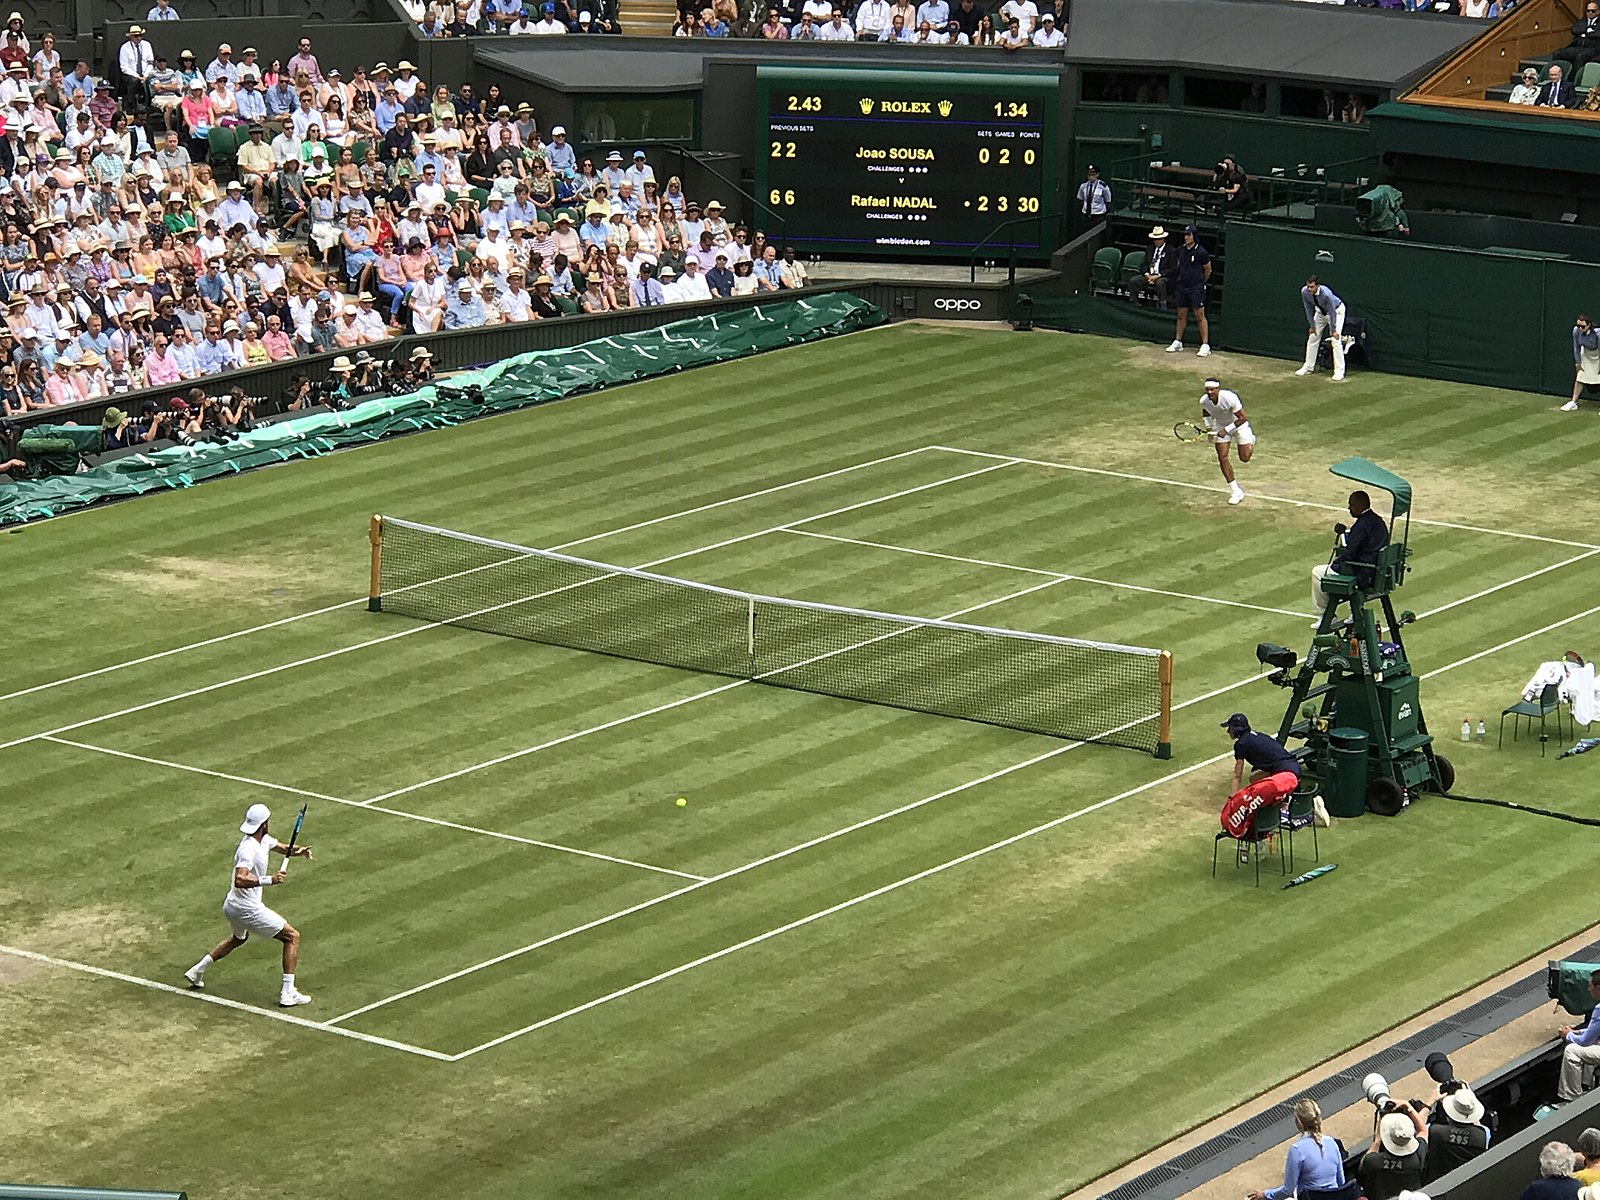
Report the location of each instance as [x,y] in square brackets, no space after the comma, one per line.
[1224,409]
[252,856]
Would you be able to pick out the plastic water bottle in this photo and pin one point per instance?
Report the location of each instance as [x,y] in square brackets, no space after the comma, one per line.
[1482,729]
[1466,729]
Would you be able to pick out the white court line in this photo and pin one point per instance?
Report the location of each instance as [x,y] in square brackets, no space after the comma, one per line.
[1206,487]
[1516,641]
[223,1002]
[808,844]
[820,914]
[716,691]
[393,812]
[959,860]
[427,625]
[1110,583]
[1489,591]
[361,600]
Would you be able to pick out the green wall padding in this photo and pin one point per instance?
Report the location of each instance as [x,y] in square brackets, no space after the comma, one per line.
[518,382]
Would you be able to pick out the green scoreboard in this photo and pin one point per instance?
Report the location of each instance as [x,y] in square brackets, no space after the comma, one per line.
[912,163]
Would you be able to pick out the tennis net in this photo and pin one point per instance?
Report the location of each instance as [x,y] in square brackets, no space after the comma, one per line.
[1064,687]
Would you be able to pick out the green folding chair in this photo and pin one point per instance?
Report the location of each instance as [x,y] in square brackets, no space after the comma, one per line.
[1300,816]
[1549,701]
[1257,844]
[1104,270]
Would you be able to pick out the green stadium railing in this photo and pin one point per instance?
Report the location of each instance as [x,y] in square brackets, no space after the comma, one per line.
[457,349]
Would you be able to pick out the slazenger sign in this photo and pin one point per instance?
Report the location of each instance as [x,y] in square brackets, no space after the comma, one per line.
[963,305]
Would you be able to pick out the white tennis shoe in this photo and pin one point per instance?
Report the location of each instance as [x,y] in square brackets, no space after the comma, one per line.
[1337,379]
[1303,371]
[1204,351]
[1235,494]
[292,998]
[197,982]
[1570,406]
[1175,347]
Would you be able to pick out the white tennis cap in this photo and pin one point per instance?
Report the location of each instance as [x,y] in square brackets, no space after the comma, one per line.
[255,818]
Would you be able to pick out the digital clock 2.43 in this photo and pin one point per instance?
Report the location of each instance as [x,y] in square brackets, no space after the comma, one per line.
[912,163]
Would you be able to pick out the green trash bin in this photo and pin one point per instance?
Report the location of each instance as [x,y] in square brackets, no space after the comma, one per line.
[1347,748]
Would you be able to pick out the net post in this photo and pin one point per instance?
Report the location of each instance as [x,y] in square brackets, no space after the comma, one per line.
[750,635]
[1164,741]
[375,584]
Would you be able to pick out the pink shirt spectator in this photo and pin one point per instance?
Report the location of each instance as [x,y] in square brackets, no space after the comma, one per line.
[65,389]
[161,370]
[279,345]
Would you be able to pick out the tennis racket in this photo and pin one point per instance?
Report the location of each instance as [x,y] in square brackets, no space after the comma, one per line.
[294,837]
[1188,431]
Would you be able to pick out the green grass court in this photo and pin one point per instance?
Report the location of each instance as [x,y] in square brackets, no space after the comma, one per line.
[879,953]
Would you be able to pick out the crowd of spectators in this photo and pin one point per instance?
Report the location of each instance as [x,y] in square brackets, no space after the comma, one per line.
[358,207]
[1011,25]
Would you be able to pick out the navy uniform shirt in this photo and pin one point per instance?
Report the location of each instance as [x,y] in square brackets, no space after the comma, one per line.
[1265,753]
[1192,262]
[1365,537]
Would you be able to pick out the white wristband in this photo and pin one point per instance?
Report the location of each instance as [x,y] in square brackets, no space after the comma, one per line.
[1229,428]
[264,881]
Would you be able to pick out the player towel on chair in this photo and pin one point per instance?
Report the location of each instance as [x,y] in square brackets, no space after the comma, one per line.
[1240,811]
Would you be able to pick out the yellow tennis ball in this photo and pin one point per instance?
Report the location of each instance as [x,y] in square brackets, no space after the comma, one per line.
[682,803]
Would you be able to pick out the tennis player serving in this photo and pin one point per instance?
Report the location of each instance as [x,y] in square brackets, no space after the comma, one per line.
[1226,425]
[247,913]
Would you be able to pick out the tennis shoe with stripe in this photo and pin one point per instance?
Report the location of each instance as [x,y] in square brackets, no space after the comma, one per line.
[293,998]
[197,981]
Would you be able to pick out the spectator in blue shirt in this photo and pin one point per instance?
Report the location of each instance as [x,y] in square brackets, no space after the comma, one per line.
[1314,1162]
[769,272]
[935,12]
[1582,1049]
[719,279]
[281,99]
[252,101]
[213,355]
[212,287]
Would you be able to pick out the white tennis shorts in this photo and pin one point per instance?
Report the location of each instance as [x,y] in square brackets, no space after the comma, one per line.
[1242,435]
[259,920]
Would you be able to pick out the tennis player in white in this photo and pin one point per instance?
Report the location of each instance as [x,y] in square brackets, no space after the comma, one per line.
[1227,425]
[247,913]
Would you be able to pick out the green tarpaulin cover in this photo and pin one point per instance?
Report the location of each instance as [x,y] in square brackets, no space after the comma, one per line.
[518,382]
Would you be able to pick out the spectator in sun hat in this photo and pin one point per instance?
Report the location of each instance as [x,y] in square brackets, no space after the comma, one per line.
[1398,1158]
[1457,1131]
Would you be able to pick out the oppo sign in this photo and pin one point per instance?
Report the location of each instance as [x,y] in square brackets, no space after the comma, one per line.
[968,306]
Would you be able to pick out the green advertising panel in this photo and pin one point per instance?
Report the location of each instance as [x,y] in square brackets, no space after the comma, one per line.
[914,163]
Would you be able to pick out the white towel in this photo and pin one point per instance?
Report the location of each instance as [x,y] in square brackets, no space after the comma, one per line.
[1548,673]
[1581,687]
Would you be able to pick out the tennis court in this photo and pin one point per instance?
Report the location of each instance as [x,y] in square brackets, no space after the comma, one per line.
[504,878]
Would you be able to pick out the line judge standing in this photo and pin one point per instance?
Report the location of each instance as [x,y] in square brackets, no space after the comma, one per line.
[1324,316]
[1094,197]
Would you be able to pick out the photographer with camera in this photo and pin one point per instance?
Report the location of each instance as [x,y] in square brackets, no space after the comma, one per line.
[299,394]
[1457,1129]
[1398,1158]
[367,379]
[238,412]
